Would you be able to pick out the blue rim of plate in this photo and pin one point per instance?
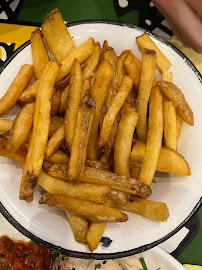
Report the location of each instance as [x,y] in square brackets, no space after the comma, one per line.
[102,256]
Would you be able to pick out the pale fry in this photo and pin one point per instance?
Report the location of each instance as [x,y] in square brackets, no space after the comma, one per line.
[81,136]
[35,155]
[86,209]
[179,122]
[5,126]
[74,99]
[124,137]
[132,69]
[154,139]
[16,88]
[81,53]
[169,124]
[29,95]
[99,91]
[64,99]
[157,211]
[113,110]
[146,79]
[162,62]
[21,127]
[167,76]
[172,92]
[58,157]
[57,36]
[39,53]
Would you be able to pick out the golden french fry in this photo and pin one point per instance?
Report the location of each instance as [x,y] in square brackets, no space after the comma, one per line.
[179,122]
[124,137]
[119,196]
[146,79]
[55,141]
[86,85]
[58,157]
[115,181]
[55,123]
[84,120]
[21,127]
[35,155]
[162,62]
[134,171]
[55,104]
[121,72]
[99,91]
[39,53]
[59,171]
[57,36]
[46,165]
[172,92]
[97,165]
[64,99]
[5,126]
[132,69]
[150,209]
[169,124]
[75,91]
[62,84]
[113,110]
[29,95]
[86,209]
[104,49]
[81,53]
[16,88]
[79,227]
[85,191]
[167,76]
[154,139]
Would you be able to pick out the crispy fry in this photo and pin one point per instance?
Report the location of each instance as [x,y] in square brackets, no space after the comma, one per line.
[57,36]
[79,227]
[179,122]
[169,123]
[55,104]
[5,126]
[58,157]
[39,53]
[55,123]
[97,165]
[81,136]
[173,93]
[29,95]
[86,209]
[162,62]
[15,89]
[81,53]
[75,91]
[167,76]
[99,91]
[132,69]
[150,209]
[122,148]
[59,171]
[21,127]
[55,141]
[154,140]
[86,85]
[46,165]
[119,196]
[64,99]
[113,110]
[35,155]
[146,79]
[115,181]
[121,72]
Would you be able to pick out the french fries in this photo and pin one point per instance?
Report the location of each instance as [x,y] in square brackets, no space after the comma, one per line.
[58,157]
[55,123]
[132,69]
[64,99]
[35,155]
[5,126]
[16,88]
[29,95]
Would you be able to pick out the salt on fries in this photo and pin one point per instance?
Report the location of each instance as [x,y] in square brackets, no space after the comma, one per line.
[80,119]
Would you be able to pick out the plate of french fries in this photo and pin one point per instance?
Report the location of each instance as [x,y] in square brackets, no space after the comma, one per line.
[100,126]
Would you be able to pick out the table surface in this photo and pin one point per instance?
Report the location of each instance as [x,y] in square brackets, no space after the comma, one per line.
[19,18]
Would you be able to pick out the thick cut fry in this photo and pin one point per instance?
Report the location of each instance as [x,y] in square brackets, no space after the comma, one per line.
[115,181]
[121,72]
[150,209]
[179,122]
[55,141]
[154,140]
[83,191]
[132,69]
[81,53]
[57,36]
[167,76]
[55,123]
[58,157]
[119,196]
[172,92]
[16,88]
[41,123]
[55,104]
[146,79]
[92,62]
[5,126]
[97,165]
[115,107]
[59,171]
[21,127]
[75,91]
[124,137]
[95,231]
[81,136]
[99,91]
[79,227]
[39,53]
[64,99]
[29,95]
[86,209]
[162,62]
[169,124]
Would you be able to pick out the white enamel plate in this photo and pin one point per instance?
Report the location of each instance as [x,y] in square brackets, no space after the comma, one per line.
[49,226]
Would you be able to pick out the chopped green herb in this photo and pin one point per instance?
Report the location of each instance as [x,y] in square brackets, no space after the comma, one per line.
[143,263]
[97,266]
